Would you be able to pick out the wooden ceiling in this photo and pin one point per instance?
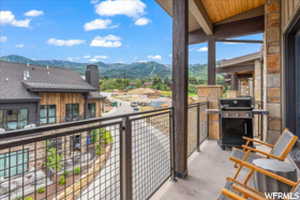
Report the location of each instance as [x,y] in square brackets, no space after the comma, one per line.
[219,10]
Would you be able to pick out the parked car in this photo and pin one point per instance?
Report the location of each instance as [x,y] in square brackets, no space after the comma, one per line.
[134,104]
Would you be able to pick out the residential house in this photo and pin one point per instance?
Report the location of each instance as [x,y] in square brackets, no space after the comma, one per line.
[33,95]
[46,95]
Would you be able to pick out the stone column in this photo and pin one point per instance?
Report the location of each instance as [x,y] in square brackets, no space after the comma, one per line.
[258,87]
[212,94]
[273,68]
[258,80]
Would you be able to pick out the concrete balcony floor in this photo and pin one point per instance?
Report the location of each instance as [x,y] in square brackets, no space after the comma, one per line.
[207,172]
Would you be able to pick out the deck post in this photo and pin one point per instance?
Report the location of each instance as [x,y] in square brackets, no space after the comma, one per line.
[211,61]
[180,82]
[234,81]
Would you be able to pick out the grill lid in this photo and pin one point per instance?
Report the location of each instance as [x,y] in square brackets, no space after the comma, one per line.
[240,103]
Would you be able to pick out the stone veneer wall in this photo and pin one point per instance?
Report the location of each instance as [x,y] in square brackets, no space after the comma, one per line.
[212,94]
[273,68]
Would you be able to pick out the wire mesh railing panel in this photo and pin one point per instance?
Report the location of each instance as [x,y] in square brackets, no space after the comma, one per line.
[203,122]
[192,129]
[151,156]
[76,163]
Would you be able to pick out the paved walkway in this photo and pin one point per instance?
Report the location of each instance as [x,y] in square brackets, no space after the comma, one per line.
[207,172]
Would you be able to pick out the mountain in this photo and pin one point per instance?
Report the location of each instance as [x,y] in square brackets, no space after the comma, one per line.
[114,70]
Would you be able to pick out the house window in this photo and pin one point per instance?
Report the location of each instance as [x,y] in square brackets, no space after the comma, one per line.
[72,112]
[13,163]
[12,119]
[91,110]
[47,114]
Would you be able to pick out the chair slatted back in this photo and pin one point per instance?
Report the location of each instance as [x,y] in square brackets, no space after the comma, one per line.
[284,144]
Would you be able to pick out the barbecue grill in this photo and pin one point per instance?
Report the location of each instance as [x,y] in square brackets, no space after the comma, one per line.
[236,121]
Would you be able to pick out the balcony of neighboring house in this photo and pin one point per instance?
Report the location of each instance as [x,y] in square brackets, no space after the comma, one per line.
[181,152]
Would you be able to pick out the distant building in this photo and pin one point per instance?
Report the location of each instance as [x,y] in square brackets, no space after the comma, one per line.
[39,95]
[148,84]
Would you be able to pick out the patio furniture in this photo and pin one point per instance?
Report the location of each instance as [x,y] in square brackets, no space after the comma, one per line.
[264,183]
[279,151]
[240,190]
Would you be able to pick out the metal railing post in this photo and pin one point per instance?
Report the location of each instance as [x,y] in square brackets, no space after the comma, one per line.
[198,127]
[126,160]
[172,142]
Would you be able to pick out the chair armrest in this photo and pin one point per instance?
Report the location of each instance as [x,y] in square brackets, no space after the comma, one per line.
[262,171]
[258,141]
[229,179]
[231,195]
[248,193]
[261,152]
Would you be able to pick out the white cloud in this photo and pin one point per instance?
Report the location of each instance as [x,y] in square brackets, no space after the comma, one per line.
[71,59]
[20,46]
[8,18]
[3,39]
[203,49]
[94,1]
[86,57]
[130,8]
[98,58]
[154,57]
[68,43]
[98,24]
[109,41]
[142,21]
[34,13]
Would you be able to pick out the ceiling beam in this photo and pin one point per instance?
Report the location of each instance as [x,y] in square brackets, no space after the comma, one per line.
[240,41]
[229,30]
[259,11]
[235,69]
[198,11]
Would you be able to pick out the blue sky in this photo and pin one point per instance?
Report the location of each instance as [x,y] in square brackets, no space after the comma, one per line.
[97,30]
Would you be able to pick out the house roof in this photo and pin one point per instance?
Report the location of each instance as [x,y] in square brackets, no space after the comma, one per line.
[95,95]
[20,81]
[239,64]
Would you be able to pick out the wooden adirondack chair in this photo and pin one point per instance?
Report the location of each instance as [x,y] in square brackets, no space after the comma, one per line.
[278,151]
[241,191]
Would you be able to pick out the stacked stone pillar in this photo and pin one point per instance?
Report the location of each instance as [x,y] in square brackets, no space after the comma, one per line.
[212,94]
[273,68]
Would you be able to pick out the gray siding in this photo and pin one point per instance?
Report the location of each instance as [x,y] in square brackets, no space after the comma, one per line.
[288,9]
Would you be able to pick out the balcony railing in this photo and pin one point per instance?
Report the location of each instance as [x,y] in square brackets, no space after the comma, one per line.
[120,157]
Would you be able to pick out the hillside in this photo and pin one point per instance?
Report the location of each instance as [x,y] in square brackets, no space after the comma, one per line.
[114,70]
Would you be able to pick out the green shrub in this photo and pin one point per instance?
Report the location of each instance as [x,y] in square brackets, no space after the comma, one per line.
[98,150]
[102,135]
[106,136]
[41,190]
[66,173]
[54,160]
[62,180]
[28,198]
[77,170]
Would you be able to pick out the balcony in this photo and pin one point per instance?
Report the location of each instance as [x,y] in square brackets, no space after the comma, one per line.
[120,157]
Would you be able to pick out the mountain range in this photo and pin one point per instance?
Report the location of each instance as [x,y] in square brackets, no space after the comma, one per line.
[136,70]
